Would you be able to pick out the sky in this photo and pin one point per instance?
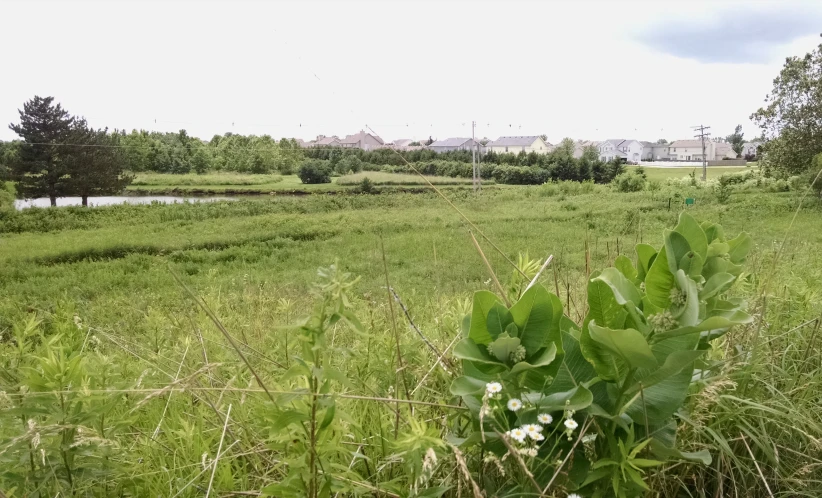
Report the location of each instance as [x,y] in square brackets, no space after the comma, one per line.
[583,69]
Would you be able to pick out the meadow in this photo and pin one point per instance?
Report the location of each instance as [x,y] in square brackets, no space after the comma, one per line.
[156,350]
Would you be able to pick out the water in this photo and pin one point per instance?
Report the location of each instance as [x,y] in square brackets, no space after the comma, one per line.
[108,201]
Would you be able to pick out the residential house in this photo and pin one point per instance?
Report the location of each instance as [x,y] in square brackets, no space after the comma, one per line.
[323,141]
[362,140]
[652,151]
[691,150]
[629,150]
[750,148]
[723,150]
[403,142]
[516,145]
[580,145]
[450,144]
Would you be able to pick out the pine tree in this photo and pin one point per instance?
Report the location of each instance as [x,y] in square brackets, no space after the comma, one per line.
[94,163]
[39,169]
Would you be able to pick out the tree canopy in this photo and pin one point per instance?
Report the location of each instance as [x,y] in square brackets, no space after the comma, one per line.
[737,140]
[791,119]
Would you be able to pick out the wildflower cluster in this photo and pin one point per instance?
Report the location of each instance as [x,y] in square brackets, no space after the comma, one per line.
[678,297]
[660,322]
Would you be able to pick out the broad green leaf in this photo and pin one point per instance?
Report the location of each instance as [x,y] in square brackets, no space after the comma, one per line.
[661,450]
[691,264]
[717,248]
[576,399]
[645,463]
[466,349]
[288,417]
[673,364]
[636,478]
[712,323]
[676,247]
[596,475]
[483,302]
[542,359]
[624,289]
[717,284]
[608,366]
[739,248]
[687,315]
[466,386]
[694,234]
[628,344]
[644,257]
[497,320]
[603,306]
[329,417]
[624,265]
[712,231]
[503,346]
[659,281]
[533,314]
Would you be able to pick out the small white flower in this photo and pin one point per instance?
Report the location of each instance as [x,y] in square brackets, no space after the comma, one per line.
[544,418]
[493,387]
[532,452]
[574,495]
[571,424]
[517,434]
[532,429]
[537,436]
[514,404]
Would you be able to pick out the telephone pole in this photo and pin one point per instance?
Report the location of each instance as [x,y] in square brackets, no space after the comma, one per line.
[702,135]
[476,170]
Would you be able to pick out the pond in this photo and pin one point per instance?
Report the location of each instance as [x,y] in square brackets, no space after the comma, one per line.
[108,201]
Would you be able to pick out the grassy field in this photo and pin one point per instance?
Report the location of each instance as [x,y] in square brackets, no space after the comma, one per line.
[116,383]
[663,174]
[382,178]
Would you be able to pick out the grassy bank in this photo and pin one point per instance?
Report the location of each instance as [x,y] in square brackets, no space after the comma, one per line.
[663,174]
[98,284]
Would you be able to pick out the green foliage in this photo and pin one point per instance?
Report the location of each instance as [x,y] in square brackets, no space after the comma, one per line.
[631,181]
[791,115]
[622,376]
[315,171]
[366,186]
[737,140]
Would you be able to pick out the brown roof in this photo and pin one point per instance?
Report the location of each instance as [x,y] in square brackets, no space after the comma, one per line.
[327,140]
[352,139]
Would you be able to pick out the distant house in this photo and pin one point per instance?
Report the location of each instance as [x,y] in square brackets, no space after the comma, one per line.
[691,150]
[362,140]
[580,146]
[323,141]
[450,144]
[724,150]
[520,144]
[629,150]
[403,142]
[750,148]
[652,151]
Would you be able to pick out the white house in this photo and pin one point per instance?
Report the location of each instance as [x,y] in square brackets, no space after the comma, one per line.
[749,149]
[520,144]
[654,152]
[362,140]
[629,150]
[691,150]
[724,150]
[450,144]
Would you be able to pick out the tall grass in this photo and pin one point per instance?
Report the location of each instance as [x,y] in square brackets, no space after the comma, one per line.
[157,377]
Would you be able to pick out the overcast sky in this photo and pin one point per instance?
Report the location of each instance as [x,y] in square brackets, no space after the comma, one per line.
[584,69]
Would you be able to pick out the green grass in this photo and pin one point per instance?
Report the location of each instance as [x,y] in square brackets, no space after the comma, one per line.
[665,173]
[153,183]
[254,261]
[382,178]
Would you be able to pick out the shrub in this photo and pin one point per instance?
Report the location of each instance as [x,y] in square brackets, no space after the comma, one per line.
[629,182]
[349,163]
[315,171]
[520,175]
[366,186]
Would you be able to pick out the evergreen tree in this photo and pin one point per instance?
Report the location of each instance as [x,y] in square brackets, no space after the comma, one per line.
[39,168]
[94,163]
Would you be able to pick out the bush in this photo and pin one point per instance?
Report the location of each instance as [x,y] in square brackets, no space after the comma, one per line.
[520,175]
[366,186]
[629,182]
[349,163]
[813,172]
[315,171]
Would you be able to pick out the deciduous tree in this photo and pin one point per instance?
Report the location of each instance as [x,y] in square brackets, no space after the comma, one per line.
[737,140]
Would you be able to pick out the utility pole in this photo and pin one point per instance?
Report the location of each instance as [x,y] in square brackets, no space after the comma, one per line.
[475,175]
[702,135]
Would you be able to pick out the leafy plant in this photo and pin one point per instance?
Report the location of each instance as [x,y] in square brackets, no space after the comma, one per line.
[620,377]
[315,171]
